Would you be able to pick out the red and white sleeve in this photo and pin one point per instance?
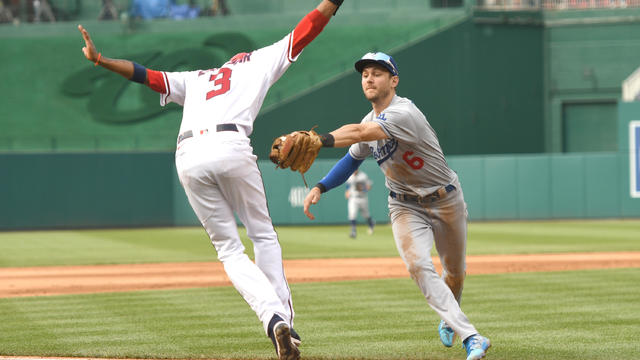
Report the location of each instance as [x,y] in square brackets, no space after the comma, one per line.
[157,81]
[306,30]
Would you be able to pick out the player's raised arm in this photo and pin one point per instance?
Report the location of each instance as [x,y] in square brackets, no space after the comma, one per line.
[122,67]
[128,69]
[312,24]
[329,7]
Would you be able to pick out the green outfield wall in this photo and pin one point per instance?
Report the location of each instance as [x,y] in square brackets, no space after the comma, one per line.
[40,191]
[85,190]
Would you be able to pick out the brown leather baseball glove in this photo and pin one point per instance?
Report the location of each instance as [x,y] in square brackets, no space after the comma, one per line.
[296,150]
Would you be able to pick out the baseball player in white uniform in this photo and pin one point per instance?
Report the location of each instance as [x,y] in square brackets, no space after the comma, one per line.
[426,202]
[217,167]
[358,186]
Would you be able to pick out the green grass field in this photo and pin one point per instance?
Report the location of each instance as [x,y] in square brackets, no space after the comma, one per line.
[123,246]
[561,315]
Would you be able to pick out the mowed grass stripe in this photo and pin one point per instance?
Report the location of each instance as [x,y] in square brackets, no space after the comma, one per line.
[563,315]
[553,236]
[129,246]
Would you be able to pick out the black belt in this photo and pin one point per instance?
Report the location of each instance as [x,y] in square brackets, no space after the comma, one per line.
[226,127]
[220,127]
[440,193]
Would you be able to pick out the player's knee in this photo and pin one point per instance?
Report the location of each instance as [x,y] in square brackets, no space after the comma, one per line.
[264,237]
[454,279]
[231,257]
[419,269]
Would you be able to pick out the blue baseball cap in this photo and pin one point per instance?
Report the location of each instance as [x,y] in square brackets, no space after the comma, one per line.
[378,58]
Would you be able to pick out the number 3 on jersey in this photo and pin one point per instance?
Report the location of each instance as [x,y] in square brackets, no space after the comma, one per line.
[221,81]
[415,162]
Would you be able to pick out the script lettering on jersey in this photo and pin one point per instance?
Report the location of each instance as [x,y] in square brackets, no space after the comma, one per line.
[382,117]
[202,72]
[240,58]
[384,152]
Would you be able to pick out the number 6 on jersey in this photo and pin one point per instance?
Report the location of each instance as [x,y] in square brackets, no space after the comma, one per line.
[415,162]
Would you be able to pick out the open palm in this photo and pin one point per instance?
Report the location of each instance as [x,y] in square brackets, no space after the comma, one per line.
[89,49]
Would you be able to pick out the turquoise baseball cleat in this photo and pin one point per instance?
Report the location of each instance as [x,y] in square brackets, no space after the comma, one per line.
[447,335]
[476,346]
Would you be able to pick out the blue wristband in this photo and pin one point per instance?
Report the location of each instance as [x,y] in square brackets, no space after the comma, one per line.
[139,73]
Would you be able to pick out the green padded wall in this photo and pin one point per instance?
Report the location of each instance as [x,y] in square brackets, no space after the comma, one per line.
[85,190]
[114,190]
[501,200]
[568,186]
[601,173]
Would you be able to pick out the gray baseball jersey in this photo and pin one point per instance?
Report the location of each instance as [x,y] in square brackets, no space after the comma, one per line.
[413,164]
[411,158]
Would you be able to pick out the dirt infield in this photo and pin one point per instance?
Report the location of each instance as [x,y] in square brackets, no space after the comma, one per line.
[58,280]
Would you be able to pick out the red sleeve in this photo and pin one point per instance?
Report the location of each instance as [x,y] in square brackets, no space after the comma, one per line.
[307,30]
[156,81]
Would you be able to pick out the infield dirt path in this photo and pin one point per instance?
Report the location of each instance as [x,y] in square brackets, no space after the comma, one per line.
[58,280]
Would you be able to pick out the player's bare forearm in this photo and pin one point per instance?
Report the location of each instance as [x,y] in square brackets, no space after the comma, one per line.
[118,66]
[350,134]
[327,8]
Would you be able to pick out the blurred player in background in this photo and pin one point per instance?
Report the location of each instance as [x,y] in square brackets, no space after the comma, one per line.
[217,167]
[357,194]
[426,204]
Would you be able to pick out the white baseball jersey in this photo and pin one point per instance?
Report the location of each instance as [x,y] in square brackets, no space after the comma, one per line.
[244,81]
[358,185]
[217,167]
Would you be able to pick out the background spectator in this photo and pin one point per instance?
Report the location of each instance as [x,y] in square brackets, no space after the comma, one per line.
[109,11]
[150,9]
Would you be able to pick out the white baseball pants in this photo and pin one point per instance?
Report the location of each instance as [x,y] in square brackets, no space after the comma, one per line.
[220,177]
[358,204]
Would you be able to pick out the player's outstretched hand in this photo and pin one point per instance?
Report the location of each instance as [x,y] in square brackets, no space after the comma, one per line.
[312,198]
[89,49]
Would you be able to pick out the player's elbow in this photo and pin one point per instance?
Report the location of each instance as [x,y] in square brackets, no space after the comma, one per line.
[371,132]
[360,133]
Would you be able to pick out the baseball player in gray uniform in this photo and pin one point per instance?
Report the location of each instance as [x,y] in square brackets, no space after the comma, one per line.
[358,186]
[217,167]
[426,203]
